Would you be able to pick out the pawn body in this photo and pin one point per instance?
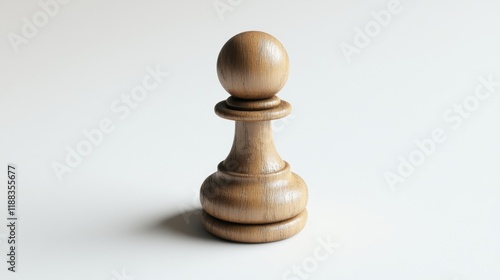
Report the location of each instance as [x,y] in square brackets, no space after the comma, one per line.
[253,197]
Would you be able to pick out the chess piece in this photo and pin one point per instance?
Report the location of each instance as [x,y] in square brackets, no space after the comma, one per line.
[253,197]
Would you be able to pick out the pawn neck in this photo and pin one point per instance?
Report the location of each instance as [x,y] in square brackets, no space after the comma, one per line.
[253,151]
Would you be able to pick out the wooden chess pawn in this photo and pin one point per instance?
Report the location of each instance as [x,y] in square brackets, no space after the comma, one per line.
[253,197]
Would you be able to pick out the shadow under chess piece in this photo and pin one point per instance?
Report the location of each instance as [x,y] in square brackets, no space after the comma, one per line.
[253,197]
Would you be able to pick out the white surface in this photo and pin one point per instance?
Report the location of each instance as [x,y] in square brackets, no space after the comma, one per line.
[121,208]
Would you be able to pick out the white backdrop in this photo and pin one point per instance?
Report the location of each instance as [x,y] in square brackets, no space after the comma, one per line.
[395,129]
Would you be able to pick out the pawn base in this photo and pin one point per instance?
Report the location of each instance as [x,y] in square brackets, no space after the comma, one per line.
[254,233]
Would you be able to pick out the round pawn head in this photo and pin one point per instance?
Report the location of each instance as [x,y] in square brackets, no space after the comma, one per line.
[253,65]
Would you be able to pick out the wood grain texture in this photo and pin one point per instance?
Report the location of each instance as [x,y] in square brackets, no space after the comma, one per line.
[258,233]
[224,110]
[253,65]
[253,184]
[253,196]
